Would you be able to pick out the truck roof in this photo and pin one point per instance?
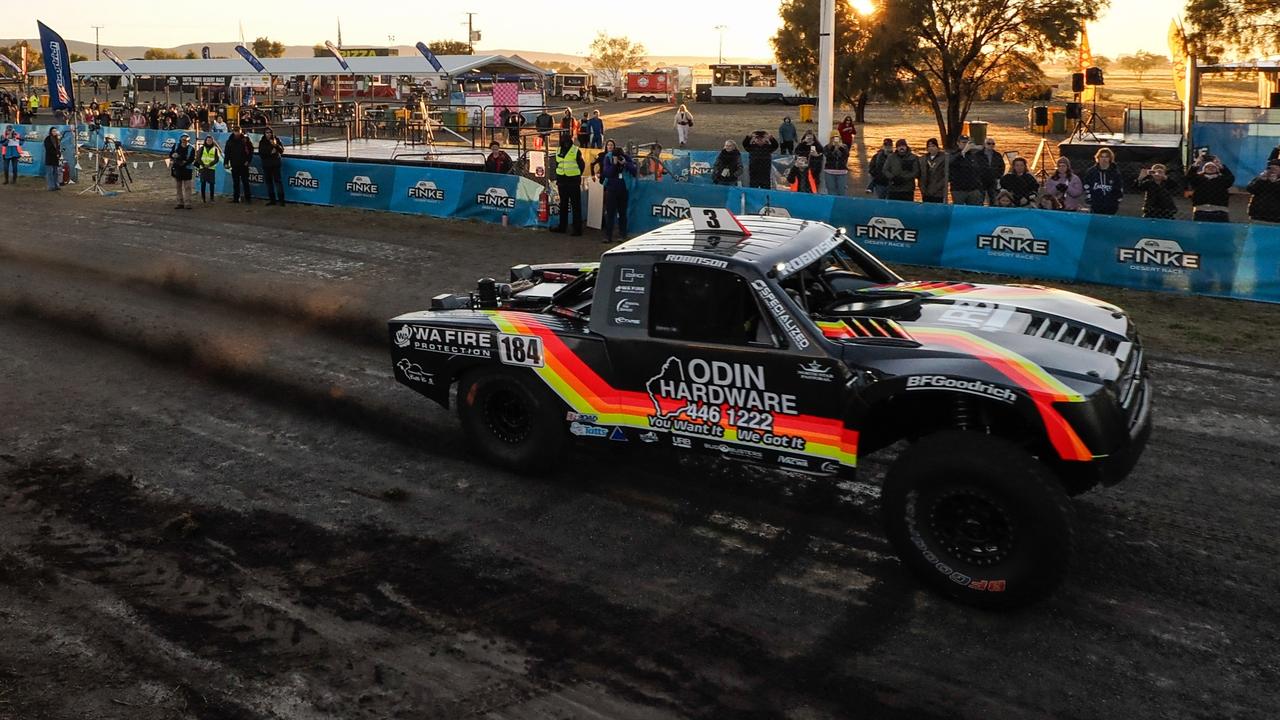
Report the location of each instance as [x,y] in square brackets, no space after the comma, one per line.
[773,240]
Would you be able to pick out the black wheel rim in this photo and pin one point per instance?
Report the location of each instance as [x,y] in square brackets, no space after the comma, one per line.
[506,415]
[972,527]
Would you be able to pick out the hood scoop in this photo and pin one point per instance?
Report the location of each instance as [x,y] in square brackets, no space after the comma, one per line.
[1073,333]
[866,329]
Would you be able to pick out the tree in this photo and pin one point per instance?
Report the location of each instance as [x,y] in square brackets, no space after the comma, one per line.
[613,55]
[14,52]
[160,54]
[449,47]
[1101,61]
[191,55]
[1242,26]
[268,48]
[858,71]
[1139,63]
[953,52]
[562,67]
[76,57]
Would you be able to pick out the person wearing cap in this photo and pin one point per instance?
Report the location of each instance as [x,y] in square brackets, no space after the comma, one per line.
[966,175]
[208,160]
[611,168]
[933,173]
[238,153]
[1210,182]
[52,158]
[901,170]
[1157,192]
[497,161]
[181,159]
[271,151]
[992,164]
[1264,194]
[879,186]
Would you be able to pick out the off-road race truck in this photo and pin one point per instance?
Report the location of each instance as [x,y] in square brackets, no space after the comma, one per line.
[785,344]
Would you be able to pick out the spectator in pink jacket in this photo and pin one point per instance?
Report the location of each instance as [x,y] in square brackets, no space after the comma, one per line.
[1065,186]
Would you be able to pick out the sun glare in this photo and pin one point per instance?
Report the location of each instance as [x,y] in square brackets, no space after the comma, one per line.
[863,7]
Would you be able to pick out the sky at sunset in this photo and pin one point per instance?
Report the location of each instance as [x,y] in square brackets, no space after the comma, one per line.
[666,27]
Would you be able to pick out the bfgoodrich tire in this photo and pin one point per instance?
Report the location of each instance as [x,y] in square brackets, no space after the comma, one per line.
[978,519]
[511,419]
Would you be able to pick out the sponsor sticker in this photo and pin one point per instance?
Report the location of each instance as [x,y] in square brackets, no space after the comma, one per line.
[584,430]
[1156,255]
[781,314]
[885,231]
[808,256]
[977,315]
[793,461]
[1011,240]
[580,417]
[496,198]
[671,209]
[649,437]
[972,387]
[521,350]
[697,260]
[362,185]
[450,341]
[303,179]
[414,372]
[816,371]
[426,190]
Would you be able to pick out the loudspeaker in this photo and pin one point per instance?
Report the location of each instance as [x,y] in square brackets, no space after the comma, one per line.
[1093,76]
[1077,82]
[1039,116]
[1075,110]
[1275,100]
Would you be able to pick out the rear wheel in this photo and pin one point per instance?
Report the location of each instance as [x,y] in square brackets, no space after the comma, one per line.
[978,519]
[511,419]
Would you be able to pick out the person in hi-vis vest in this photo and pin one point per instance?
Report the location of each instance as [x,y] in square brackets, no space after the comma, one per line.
[569,167]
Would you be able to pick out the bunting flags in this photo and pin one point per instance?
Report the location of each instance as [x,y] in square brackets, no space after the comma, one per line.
[1179,58]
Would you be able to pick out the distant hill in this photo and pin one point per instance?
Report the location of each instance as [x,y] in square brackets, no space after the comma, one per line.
[227,49]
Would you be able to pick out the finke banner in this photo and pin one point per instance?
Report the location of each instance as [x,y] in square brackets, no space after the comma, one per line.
[250,58]
[57,67]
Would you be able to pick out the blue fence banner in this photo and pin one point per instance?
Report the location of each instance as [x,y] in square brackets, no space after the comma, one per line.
[895,231]
[487,196]
[1258,269]
[1015,241]
[363,185]
[786,204]
[426,191]
[307,181]
[1182,256]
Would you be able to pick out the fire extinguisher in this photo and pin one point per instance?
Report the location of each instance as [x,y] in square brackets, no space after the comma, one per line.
[544,207]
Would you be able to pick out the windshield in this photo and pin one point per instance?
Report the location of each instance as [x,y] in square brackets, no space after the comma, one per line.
[839,271]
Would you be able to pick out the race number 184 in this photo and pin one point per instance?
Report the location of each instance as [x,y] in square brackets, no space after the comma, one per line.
[523,350]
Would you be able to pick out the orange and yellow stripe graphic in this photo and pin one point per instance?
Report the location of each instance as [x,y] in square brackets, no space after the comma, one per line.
[1044,389]
[587,393]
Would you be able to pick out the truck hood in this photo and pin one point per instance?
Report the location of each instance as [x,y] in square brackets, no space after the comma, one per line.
[1076,338]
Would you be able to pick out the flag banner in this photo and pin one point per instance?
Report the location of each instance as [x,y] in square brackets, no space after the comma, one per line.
[22,51]
[333,50]
[57,66]
[430,56]
[1085,62]
[204,52]
[4,59]
[1178,58]
[113,57]
[250,58]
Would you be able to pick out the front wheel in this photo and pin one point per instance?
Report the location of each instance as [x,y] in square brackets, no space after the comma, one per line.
[511,419]
[978,519]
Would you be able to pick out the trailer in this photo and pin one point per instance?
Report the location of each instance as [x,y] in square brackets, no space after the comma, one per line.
[571,86]
[754,84]
[651,85]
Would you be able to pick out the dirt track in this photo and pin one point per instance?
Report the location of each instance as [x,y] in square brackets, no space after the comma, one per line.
[216,503]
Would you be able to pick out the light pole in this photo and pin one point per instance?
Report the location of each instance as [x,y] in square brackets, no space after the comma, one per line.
[96,28]
[826,69]
[721,28]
